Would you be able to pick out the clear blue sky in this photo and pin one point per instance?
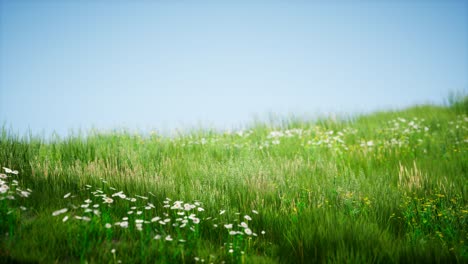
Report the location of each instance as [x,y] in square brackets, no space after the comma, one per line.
[170,64]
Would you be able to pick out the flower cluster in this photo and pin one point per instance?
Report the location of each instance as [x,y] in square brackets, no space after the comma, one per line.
[166,221]
[10,187]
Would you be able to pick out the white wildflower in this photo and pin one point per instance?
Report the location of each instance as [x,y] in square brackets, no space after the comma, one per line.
[139,226]
[107,200]
[4,188]
[61,211]
[24,194]
[119,194]
[192,216]
[188,207]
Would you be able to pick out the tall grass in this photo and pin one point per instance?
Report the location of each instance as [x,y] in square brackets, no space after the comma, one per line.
[388,187]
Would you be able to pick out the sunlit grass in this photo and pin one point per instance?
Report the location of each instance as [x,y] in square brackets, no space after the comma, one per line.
[387,187]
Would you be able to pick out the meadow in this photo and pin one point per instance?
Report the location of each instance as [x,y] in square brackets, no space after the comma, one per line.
[385,187]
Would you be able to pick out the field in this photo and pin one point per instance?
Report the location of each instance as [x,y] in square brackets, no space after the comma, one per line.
[386,187]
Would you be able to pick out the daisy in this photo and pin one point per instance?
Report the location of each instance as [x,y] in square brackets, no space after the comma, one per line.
[4,188]
[61,211]
[107,200]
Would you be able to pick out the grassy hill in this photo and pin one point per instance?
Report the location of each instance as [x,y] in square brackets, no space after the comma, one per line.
[389,187]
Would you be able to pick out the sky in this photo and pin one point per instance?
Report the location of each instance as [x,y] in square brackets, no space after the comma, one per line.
[166,65]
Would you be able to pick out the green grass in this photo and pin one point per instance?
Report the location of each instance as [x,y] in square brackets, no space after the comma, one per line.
[388,187]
